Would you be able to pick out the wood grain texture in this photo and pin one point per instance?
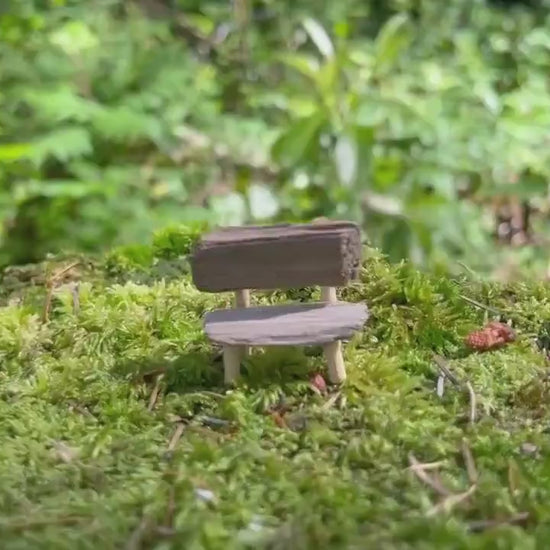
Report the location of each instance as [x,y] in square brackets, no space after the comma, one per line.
[277,257]
[286,325]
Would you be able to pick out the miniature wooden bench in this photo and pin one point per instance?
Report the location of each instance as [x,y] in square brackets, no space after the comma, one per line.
[280,257]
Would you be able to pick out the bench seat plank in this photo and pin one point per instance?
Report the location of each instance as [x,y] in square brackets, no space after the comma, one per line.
[286,325]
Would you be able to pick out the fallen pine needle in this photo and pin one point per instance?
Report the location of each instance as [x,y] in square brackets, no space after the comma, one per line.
[56,276]
[75,291]
[443,367]
[440,385]
[50,286]
[470,463]
[178,432]
[279,420]
[416,468]
[47,304]
[449,502]
[427,465]
[331,400]
[473,402]
[136,538]
[155,394]
[482,525]
[481,306]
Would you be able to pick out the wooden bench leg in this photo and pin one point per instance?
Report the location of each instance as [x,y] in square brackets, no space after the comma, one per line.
[232,356]
[328,294]
[335,362]
[242,299]
[333,351]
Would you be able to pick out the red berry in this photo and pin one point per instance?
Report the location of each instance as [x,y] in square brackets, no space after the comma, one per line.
[494,335]
[318,382]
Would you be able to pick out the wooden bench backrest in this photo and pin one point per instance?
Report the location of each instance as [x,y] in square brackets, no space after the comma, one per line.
[277,257]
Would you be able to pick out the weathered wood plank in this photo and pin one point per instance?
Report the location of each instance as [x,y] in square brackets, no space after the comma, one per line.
[280,256]
[286,325]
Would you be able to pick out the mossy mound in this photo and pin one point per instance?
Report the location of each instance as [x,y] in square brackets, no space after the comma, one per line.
[116,432]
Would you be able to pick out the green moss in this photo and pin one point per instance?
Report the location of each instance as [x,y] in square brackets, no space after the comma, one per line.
[84,463]
[129,258]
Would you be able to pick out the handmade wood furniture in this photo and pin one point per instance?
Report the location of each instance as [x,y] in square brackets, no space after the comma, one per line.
[280,257]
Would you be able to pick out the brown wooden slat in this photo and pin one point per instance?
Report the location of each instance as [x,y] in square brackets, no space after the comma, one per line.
[276,257]
[286,325]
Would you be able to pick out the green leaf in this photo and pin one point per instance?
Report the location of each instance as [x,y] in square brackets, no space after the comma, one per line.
[122,123]
[292,146]
[327,80]
[73,189]
[391,41]
[397,240]
[203,24]
[262,201]
[229,209]
[12,152]
[62,144]
[527,187]
[61,104]
[306,65]
[364,138]
[346,159]
[74,38]
[388,205]
[319,37]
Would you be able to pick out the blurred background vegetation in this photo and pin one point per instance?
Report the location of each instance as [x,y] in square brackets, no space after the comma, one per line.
[426,121]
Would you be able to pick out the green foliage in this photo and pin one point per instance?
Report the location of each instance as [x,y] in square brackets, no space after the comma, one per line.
[86,460]
[175,241]
[410,117]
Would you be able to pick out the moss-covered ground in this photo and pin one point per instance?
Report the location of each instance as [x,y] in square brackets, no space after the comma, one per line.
[116,431]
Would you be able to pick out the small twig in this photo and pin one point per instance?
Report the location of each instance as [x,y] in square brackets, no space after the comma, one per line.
[47,303]
[482,525]
[136,538]
[279,419]
[468,269]
[331,401]
[426,465]
[176,437]
[473,402]
[448,503]
[213,422]
[64,270]
[416,468]
[50,286]
[74,406]
[470,463]
[442,365]
[444,369]
[440,389]
[479,305]
[155,394]
[75,291]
